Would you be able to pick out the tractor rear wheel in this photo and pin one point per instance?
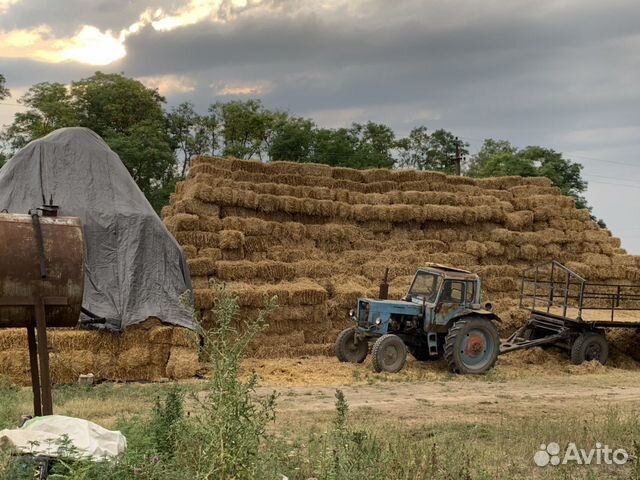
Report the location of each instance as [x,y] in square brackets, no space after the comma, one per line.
[389,354]
[348,349]
[590,346]
[472,345]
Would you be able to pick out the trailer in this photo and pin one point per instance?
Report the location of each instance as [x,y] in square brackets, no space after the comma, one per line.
[571,313]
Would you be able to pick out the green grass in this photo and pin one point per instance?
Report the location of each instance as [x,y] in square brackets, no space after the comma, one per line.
[222,429]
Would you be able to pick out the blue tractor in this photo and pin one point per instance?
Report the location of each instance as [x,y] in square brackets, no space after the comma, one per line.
[441,316]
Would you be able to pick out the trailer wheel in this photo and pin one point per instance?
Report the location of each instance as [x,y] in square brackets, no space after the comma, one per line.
[471,346]
[590,346]
[348,349]
[389,354]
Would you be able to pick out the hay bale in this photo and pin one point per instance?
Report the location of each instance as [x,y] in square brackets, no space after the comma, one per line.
[231,239]
[202,266]
[183,363]
[519,220]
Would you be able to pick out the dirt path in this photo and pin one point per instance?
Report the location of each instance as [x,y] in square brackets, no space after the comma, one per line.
[476,401]
[424,391]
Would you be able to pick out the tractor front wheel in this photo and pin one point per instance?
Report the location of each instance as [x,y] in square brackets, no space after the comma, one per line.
[389,354]
[349,349]
[472,345]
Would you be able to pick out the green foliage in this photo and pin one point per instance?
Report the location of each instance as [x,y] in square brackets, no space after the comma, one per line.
[4,91]
[167,421]
[490,148]
[500,158]
[125,113]
[112,104]
[192,133]
[293,140]
[430,151]
[49,107]
[228,430]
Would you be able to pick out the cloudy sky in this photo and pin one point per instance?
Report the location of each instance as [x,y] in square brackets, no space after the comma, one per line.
[563,74]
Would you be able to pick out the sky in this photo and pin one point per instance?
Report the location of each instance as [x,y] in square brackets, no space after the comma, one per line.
[562,74]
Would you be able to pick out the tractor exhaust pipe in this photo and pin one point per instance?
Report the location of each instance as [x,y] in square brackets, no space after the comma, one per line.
[384,286]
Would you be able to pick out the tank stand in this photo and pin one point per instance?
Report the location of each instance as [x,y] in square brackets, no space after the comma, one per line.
[38,348]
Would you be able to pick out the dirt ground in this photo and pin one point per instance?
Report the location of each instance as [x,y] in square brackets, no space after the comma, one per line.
[523,384]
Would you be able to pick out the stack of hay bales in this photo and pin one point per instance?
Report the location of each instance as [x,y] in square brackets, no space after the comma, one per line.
[320,237]
[149,351]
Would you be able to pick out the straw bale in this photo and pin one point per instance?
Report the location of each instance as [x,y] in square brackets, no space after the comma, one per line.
[198,239]
[203,266]
[190,251]
[183,363]
[197,207]
[274,271]
[597,260]
[502,183]
[627,260]
[529,252]
[378,175]
[431,246]
[181,221]
[519,220]
[530,190]
[375,270]
[494,248]
[14,364]
[214,254]
[350,174]
[315,268]
[470,247]
[315,170]
[231,239]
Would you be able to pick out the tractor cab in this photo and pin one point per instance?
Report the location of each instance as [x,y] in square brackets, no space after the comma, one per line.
[445,292]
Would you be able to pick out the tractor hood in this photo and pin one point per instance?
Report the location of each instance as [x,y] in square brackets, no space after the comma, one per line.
[394,306]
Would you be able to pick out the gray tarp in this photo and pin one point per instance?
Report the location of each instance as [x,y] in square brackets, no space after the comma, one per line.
[135,269]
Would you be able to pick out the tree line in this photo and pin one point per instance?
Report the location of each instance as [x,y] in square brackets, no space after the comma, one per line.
[156,143]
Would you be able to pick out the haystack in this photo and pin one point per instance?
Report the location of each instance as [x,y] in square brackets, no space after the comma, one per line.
[319,237]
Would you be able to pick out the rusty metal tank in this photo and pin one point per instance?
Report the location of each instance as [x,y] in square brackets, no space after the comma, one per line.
[20,267]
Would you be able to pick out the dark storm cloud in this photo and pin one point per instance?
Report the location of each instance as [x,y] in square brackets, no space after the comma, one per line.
[65,17]
[556,73]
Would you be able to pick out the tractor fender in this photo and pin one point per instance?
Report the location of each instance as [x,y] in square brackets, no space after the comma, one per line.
[475,312]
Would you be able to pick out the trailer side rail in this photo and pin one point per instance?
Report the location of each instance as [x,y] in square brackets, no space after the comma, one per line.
[554,289]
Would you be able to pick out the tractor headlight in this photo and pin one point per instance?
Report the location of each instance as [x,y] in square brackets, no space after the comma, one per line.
[351,313]
[378,321]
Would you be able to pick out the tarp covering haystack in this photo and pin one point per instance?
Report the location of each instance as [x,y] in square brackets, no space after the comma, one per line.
[135,270]
[320,237]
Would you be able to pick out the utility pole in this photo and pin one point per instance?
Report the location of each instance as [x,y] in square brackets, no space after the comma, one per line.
[458,159]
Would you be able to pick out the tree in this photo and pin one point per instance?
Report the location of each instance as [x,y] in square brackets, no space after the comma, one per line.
[112,104]
[293,140]
[490,148]
[436,151]
[4,91]
[49,107]
[125,113]
[499,158]
[374,145]
[192,134]
[247,127]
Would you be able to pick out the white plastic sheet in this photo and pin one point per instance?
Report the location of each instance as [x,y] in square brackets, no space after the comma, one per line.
[56,435]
